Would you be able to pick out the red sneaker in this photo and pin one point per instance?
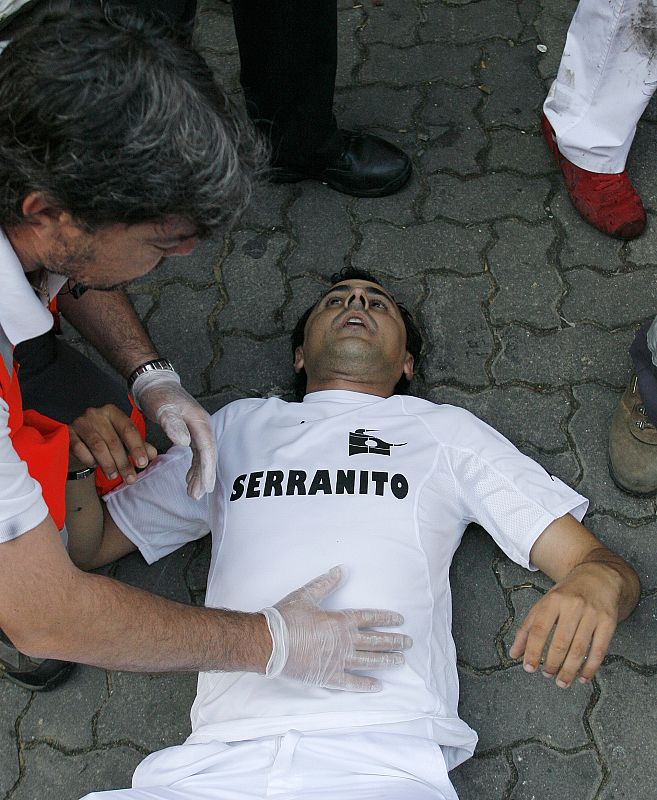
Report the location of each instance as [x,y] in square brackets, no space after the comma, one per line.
[609,202]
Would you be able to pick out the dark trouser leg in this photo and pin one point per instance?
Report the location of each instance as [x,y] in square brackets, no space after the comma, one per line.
[61,383]
[288,53]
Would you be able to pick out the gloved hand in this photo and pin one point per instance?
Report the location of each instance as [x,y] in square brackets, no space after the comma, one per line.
[320,648]
[161,397]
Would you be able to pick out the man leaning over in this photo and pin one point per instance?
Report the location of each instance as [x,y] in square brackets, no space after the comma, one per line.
[117,149]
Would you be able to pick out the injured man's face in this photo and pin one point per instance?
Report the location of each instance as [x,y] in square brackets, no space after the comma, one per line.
[355,338]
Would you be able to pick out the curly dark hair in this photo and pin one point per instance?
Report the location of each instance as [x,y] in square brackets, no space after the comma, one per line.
[115,120]
[414,340]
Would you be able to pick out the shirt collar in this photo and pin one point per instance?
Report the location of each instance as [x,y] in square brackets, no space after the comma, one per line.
[342,396]
[22,315]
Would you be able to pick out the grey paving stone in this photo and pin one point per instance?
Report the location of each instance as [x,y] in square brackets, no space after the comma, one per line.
[183,336]
[420,64]
[569,355]
[482,778]
[636,637]
[165,577]
[551,27]
[267,207]
[213,402]
[516,91]
[476,595]
[394,22]
[321,227]
[521,263]
[225,68]
[551,775]
[65,718]
[486,198]
[589,428]
[257,367]
[253,283]
[518,150]
[521,414]
[379,106]
[511,706]
[460,338]
[622,723]
[150,711]
[430,246]
[197,573]
[399,208]
[198,267]
[610,300]
[636,544]
[142,302]
[640,167]
[512,575]
[12,702]
[50,773]
[348,48]
[215,29]
[304,292]
[641,251]
[582,245]
[564,465]
[474,22]
[455,138]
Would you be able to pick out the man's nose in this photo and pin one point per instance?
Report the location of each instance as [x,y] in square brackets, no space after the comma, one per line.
[357,297]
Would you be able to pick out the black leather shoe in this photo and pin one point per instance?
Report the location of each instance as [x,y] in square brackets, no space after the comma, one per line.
[367,167]
[35,674]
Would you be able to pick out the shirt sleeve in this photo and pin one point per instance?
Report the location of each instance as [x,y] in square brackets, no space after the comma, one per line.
[506,492]
[22,506]
[155,512]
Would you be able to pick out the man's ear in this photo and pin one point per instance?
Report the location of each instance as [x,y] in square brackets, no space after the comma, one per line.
[298,359]
[409,365]
[42,216]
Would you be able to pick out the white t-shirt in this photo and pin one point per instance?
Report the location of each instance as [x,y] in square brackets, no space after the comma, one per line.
[385,487]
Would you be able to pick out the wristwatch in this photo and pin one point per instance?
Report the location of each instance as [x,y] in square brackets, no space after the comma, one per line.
[80,474]
[150,366]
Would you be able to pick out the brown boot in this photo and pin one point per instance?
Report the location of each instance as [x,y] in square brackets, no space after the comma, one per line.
[633,446]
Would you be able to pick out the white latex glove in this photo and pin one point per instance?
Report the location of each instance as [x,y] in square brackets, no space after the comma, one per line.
[321,648]
[161,397]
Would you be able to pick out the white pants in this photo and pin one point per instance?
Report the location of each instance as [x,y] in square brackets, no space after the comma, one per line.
[607,75]
[355,766]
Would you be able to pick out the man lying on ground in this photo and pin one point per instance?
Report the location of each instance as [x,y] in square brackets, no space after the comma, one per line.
[363,475]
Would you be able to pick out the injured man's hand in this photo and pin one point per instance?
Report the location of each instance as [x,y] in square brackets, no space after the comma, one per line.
[322,648]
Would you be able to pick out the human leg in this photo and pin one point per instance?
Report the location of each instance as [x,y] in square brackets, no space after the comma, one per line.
[288,54]
[294,767]
[608,73]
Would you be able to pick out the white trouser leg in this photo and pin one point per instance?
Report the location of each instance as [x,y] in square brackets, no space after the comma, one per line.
[607,75]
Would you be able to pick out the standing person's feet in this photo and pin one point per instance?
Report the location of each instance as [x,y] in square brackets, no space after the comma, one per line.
[367,166]
[609,202]
[35,674]
[633,445]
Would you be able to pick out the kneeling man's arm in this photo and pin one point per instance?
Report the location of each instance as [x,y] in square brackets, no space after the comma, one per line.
[594,590]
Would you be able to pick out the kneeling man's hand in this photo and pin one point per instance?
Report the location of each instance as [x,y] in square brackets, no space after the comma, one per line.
[322,648]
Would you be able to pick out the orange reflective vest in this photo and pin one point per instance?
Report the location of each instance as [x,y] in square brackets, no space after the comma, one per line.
[42,443]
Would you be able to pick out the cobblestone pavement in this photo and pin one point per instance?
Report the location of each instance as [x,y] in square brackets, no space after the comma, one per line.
[529,313]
